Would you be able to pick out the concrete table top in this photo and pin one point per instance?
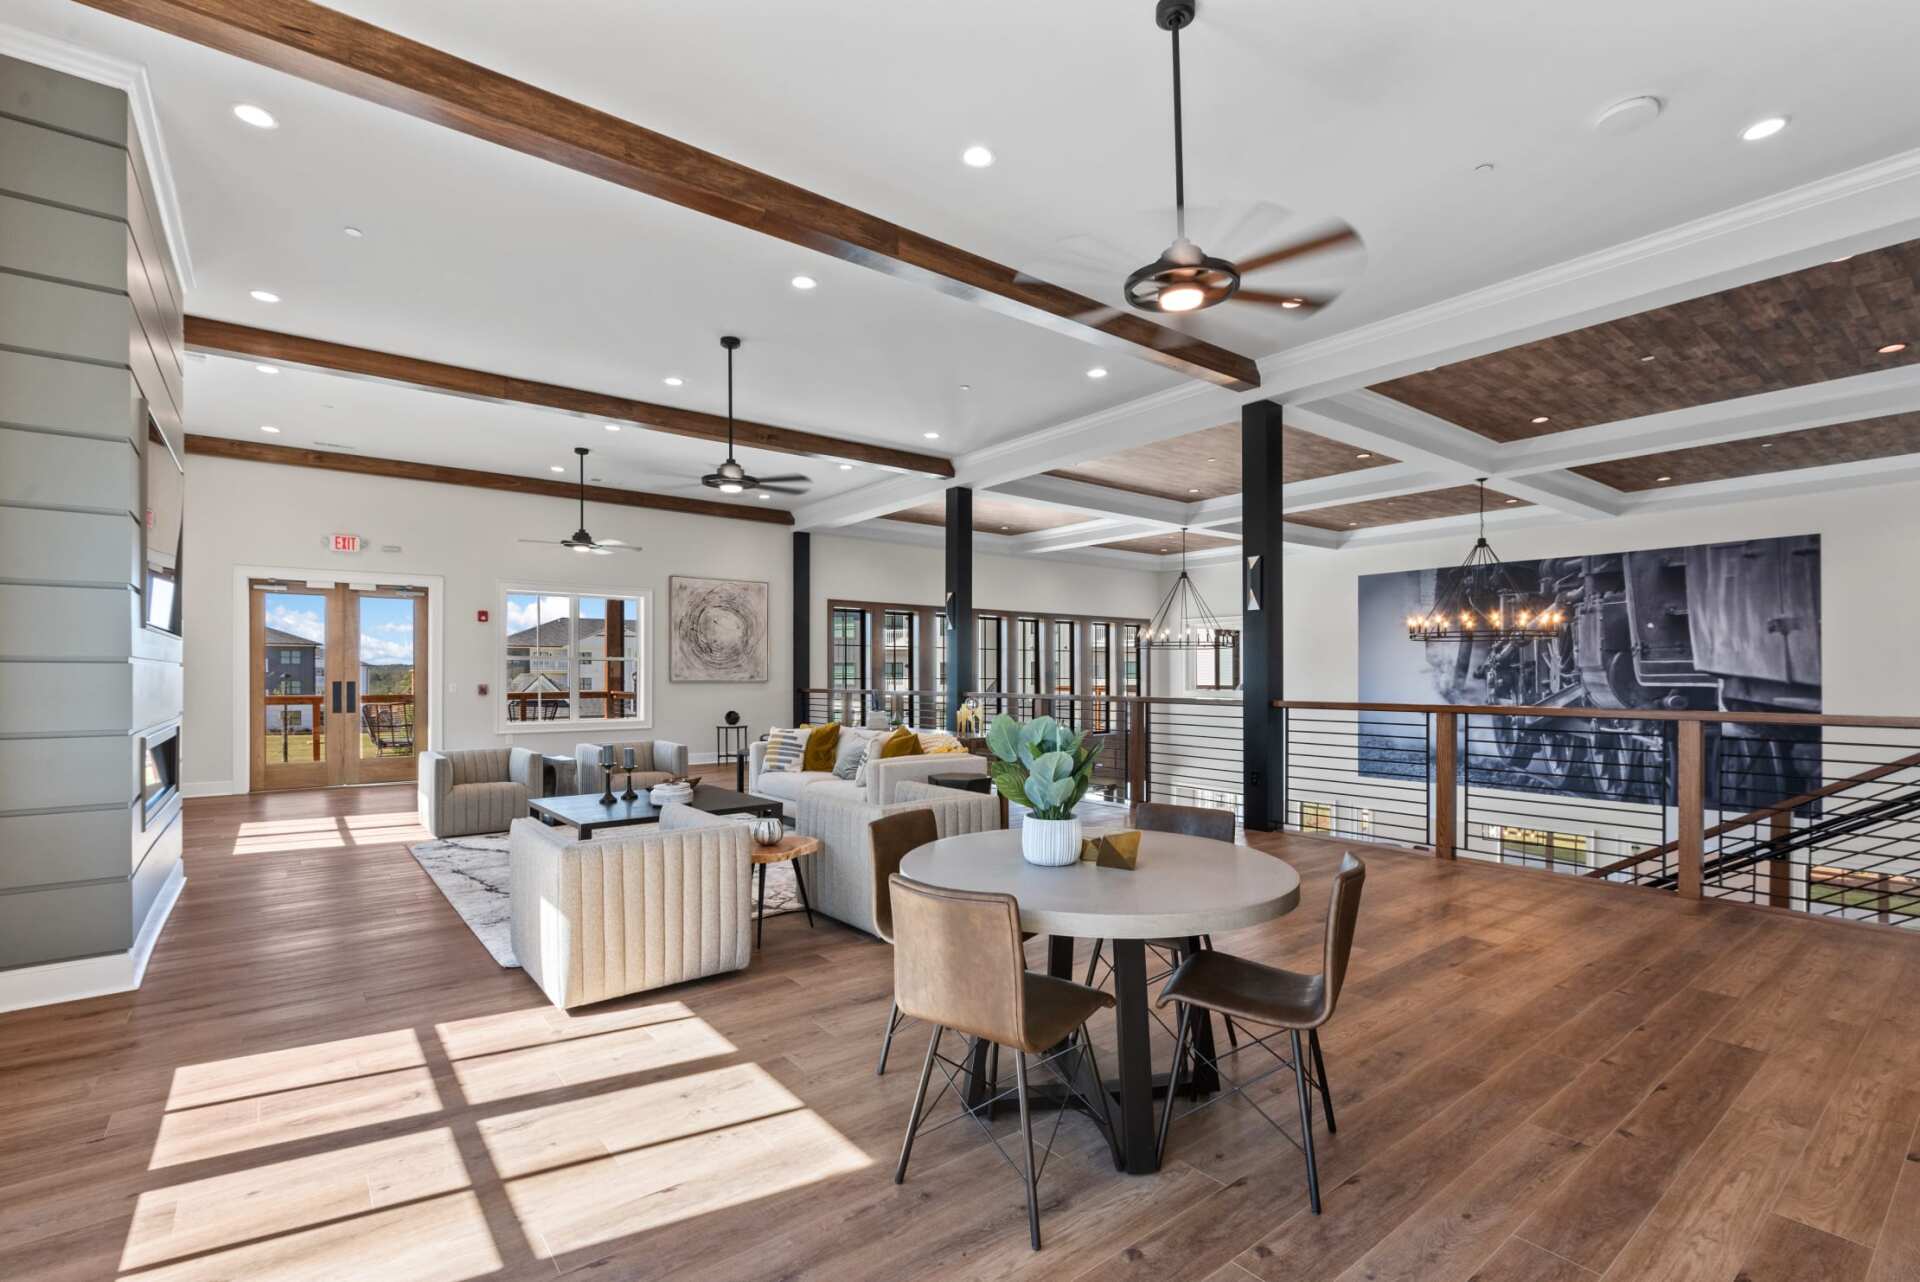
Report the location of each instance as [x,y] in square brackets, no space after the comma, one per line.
[1182,886]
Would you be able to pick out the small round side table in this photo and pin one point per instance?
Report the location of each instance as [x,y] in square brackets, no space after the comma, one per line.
[789,848]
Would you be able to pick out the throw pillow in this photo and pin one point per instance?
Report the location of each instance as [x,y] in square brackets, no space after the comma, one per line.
[785,749]
[820,747]
[851,763]
[939,741]
[901,743]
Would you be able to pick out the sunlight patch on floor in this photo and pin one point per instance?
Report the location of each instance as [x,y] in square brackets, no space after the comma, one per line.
[224,1212]
[216,1130]
[245,1076]
[621,1052]
[544,1025]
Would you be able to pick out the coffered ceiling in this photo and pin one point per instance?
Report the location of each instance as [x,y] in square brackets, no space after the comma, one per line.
[993,515]
[1457,500]
[1169,544]
[1890,437]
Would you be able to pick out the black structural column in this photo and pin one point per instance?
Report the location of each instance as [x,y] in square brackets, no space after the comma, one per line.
[802,623]
[960,638]
[1263,755]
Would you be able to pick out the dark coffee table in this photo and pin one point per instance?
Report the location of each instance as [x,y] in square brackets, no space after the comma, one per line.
[586,813]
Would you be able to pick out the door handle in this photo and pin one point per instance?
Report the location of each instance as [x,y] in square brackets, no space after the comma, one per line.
[336,696]
[353,702]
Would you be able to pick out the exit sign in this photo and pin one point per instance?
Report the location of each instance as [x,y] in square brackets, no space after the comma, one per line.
[344,542]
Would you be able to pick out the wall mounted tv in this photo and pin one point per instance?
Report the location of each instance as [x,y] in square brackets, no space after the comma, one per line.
[165,482]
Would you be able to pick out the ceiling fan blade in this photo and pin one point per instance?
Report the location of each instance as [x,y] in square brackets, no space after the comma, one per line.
[783,479]
[1302,303]
[1299,249]
[550,543]
[780,489]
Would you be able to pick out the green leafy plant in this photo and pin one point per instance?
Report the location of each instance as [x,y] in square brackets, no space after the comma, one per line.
[1040,764]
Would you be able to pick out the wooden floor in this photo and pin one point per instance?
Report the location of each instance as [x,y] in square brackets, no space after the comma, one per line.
[325,1077]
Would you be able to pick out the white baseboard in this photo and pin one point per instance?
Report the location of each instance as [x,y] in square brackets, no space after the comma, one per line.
[69,981]
[211,788]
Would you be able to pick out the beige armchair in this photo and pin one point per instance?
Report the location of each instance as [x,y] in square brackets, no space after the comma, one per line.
[645,907]
[477,790]
[655,761]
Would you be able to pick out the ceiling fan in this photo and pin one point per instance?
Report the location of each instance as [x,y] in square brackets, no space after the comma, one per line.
[580,540]
[1185,278]
[730,477]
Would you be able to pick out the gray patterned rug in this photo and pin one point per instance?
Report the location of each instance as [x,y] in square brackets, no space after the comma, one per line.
[472,873]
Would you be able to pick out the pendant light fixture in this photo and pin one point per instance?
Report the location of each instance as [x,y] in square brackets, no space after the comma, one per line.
[1183,621]
[1485,602]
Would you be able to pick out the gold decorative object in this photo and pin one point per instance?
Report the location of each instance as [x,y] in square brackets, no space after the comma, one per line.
[1113,849]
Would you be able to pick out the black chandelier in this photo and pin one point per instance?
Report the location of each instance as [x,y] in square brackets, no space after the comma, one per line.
[1183,621]
[1485,602]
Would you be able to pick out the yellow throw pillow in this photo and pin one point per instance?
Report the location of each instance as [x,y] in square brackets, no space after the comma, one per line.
[901,743]
[821,747]
[933,742]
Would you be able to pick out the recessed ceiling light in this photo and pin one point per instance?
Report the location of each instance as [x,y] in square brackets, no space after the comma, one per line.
[931,436]
[672,381]
[1353,522]
[1662,480]
[765,497]
[1097,372]
[269,429]
[966,387]
[1213,460]
[976,157]
[1513,500]
[804,282]
[1540,418]
[1362,454]
[1760,129]
[1006,527]
[1843,258]
[268,369]
[556,468]
[1766,445]
[612,427]
[1645,359]
[352,233]
[1193,490]
[846,467]
[1291,303]
[258,117]
[263,296]
[1891,348]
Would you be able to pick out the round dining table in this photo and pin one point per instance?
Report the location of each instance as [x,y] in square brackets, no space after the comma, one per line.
[1180,888]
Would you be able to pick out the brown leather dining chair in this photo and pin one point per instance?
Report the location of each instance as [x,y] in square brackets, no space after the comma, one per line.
[1285,1000]
[958,964]
[895,837]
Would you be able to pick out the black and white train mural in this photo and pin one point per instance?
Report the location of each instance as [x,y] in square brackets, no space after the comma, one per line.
[1718,626]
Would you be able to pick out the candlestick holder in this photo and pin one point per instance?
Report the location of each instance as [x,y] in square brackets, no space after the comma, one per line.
[632,760]
[606,772]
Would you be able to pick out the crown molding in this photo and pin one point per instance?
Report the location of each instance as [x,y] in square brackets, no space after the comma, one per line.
[131,79]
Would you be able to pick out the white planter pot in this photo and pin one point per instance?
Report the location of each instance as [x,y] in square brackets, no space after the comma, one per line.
[1050,843]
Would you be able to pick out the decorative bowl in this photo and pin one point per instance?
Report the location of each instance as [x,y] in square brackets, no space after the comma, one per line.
[662,793]
[768,831]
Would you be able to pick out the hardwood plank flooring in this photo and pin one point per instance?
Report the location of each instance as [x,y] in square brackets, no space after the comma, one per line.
[1538,1079]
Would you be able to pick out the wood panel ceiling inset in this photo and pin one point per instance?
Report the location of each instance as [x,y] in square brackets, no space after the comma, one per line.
[1809,326]
[1886,437]
[994,515]
[1456,501]
[1206,464]
[1157,544]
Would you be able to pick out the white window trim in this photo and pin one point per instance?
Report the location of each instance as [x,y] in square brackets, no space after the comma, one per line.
[643,662]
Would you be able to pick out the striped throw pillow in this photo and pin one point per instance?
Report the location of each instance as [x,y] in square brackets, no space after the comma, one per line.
[785,748]
[939,741]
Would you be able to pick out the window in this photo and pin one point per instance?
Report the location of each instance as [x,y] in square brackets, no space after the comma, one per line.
[1218,666]
[1316,816]
[1130,673]
[940,650]
[1534,845]
[987,658]
[896,648]
[1100,679]
[848,649]
[574,657]
[1064,711]
[1026,656]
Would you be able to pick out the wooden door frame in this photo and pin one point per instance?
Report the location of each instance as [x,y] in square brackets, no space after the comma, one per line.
[244,672]
[317,774]
[396,769]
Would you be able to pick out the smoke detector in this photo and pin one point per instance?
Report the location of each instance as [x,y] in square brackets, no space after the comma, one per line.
[1628,115]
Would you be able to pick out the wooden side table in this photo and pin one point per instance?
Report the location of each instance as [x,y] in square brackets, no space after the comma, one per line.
[790,848]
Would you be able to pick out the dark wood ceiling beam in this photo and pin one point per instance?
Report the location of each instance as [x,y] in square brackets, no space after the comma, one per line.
[343,53]
[397,469]
[223,338]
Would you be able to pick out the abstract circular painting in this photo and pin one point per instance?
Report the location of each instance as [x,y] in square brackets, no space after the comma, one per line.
[717,630]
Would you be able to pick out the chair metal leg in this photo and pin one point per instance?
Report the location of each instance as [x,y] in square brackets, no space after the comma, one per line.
[1306,1119]
[1320,1074]
[993,1079]
[1093,961]
[886,1043]
[1026,1136]
[919,1104]
[1173,1082]
[1099,1085]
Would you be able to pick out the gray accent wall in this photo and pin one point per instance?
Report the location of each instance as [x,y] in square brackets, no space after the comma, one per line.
[90,346]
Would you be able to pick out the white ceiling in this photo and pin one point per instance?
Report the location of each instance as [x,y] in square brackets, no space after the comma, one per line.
[1365,110]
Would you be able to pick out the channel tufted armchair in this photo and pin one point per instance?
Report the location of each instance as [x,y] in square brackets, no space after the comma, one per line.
[477,790]
[655,761]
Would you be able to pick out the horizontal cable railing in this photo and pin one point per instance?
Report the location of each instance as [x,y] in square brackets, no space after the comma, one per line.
[1359,776]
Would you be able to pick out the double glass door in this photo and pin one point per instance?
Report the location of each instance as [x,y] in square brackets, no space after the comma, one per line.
[339,694]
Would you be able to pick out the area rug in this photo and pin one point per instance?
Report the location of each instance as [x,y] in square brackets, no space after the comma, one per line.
[472,873]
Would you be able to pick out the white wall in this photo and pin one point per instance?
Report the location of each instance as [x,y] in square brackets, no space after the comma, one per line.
[251,514]
[868,570]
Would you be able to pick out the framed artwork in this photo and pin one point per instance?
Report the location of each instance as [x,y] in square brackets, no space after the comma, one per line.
[717,629]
